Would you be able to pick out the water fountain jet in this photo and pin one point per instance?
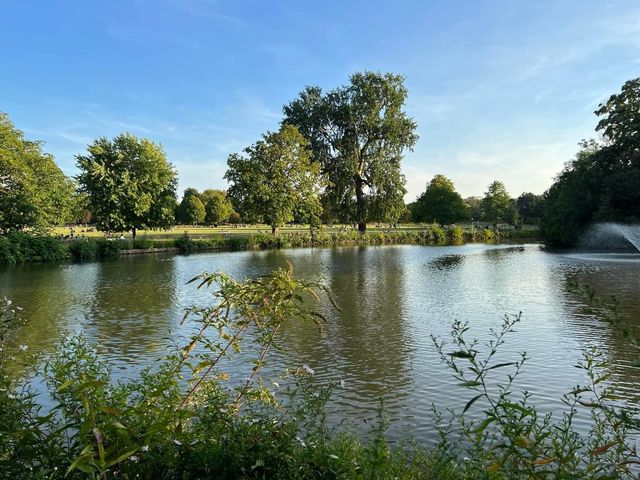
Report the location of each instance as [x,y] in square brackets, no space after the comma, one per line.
[612,236]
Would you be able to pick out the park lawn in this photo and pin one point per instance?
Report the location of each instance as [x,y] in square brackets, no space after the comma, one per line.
[201,231]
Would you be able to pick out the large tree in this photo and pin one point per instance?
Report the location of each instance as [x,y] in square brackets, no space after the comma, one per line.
[439,203]
[602,183]
[275,180]
[359,134]
[34,193]
[129,183]
[497,206]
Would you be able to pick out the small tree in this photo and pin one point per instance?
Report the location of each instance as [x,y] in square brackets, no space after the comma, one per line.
[217,206]
[275,180]
[129,184]
[191,210]
[497,206]
[440,203]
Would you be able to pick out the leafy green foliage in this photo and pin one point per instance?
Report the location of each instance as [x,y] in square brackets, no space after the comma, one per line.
[129,184]
[497,206]
[191,210]
[358,134]
[217,206]
[20,247]
[276,180]
[530,208]
[439,203]
[511,439]
[602,183]
[33,190]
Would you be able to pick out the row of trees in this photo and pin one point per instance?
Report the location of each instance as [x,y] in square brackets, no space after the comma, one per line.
[210,207]
[440,203]
[336,157]
[602,183]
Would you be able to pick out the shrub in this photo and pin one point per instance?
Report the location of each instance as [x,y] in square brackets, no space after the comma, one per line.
[83,250]
[456,234]
[111,248]
[142,244]
[18,247]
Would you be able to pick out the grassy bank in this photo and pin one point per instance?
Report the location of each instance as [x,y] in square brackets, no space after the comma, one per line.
[182,419]
[20,247]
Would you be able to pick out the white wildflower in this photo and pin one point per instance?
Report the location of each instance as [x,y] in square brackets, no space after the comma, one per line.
[145,448]
[24,348]
[134,458]
[301,441]
[9,302]
[308,369]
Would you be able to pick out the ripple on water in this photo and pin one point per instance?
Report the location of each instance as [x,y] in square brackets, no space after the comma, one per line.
[392,298]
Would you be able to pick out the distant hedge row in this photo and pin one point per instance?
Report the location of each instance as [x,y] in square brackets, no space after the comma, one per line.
[18,247]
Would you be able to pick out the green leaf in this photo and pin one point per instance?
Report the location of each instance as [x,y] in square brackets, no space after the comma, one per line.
[500,365]
[64,385]
[471,402]
[460,354]
[122,457]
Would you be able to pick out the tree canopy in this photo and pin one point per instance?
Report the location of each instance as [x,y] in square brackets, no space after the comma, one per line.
[439,203]
[217,206]
[497,206]
[358,133]
[276,180]
[602,183]
[530,207]
[191,210]
[34,193]
[129,183]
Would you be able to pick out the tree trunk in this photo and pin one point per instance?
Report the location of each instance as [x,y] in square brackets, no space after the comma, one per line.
[361,213]
[133,233]
[274,231]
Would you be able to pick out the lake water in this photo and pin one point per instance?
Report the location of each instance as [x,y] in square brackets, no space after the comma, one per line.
[393,299]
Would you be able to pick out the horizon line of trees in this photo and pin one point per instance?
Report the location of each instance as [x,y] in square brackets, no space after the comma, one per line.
[336,158]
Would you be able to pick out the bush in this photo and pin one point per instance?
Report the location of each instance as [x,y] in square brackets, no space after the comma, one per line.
[456,234]
[142,244]
[83,250]
[19,247]
[110,248]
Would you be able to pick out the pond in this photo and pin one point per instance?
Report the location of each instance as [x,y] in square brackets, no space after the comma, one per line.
[393,299]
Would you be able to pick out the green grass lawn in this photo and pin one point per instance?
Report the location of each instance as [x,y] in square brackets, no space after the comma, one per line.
[208,232]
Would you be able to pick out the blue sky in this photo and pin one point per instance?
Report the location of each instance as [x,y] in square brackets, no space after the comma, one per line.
[500,89]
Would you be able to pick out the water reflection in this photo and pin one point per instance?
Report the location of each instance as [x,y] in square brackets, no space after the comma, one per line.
[392,298]
[132,308]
